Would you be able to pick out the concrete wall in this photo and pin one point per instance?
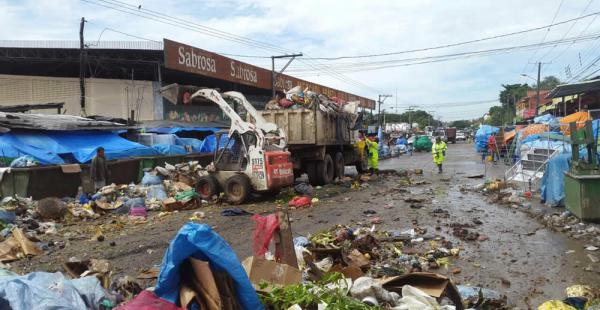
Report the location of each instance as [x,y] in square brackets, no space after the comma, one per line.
[107,97]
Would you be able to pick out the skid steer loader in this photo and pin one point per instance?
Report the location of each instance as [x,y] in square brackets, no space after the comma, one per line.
[253,159]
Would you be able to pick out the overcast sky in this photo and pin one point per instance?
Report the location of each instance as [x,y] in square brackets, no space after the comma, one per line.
[338,28]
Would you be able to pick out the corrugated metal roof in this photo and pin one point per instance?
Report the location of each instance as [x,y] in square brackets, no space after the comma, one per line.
[54,122]
[574,89]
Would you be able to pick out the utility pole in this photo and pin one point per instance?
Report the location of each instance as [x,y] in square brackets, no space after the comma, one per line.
[274,73]
[82,67]
[380,102]
[538,84]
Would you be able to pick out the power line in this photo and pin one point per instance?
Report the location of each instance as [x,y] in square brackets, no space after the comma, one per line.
[459,43]
[545,34]
[570,28]
[192,26]
[367,66]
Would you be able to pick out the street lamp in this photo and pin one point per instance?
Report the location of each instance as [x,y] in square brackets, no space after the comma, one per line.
[529,77]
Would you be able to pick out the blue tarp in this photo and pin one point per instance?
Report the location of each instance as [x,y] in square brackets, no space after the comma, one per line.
[169,149]
[482,135]
[210,143]
[43,290]
[201,242]
[552,184]
[59,147]
[174,130]
[548,119]
[401,141]
[196,144]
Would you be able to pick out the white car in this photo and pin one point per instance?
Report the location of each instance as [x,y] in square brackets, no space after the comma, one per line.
[460,136]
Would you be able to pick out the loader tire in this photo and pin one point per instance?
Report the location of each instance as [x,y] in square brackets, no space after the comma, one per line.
[207,187]
[237,189]
[339,165]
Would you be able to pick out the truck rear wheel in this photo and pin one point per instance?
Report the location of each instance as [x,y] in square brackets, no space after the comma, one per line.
[325,170]
[207,187]
[237,189]
[311,172]
[339,165]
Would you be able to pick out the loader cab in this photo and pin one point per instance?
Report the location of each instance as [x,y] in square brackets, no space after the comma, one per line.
[231,153]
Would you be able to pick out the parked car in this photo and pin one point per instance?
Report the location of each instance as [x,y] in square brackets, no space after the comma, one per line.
[461,136]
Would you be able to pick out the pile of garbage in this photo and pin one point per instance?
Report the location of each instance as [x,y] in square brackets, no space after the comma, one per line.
[166,188]
[568,223]
[297,98]
[578,297]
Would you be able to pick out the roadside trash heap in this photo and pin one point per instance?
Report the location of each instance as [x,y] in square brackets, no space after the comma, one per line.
[166,188]
[359,268]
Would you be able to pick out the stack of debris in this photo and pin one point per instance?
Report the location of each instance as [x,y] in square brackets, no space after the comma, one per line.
[297,98]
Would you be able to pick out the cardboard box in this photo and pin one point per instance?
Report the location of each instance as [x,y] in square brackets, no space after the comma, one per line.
[432,284]
[261,270]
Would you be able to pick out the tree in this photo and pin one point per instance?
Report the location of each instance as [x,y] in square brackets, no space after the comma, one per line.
[496,116]
[461,124]
[548,83]
[417,116]
[509,96]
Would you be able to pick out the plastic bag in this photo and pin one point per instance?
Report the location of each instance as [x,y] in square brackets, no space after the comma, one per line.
[44,290]
[146,300]
[300,202]
[150,179]
[415,299]
[186,195]
[157,192]
[264,228]
[303,188]
[201,242]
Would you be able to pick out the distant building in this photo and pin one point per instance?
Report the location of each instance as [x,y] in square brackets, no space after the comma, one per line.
[527,107]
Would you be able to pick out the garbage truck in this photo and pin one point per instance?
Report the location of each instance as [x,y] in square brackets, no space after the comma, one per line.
[322,142]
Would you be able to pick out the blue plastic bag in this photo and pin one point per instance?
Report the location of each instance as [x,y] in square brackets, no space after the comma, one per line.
[150,179]
[201,242]
[43,290]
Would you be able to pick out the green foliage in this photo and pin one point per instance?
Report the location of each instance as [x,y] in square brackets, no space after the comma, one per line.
[417,116]
[310,294]
[548,83]
[513,93]
[496,116]
[461,124]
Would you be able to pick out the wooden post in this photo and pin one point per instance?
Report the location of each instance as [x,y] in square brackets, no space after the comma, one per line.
[284,243]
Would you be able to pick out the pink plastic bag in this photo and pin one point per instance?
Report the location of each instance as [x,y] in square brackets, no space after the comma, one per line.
[146,300]
[264,228]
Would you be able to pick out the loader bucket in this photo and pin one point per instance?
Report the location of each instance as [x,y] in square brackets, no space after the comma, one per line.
[174,93]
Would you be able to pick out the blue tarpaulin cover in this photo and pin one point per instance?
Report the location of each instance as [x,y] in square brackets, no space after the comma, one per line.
[196,144]
[482,135]
[201,242]
[210,143]
[552,184]
[43,290]
[174,130]
[169,149]
[59,147]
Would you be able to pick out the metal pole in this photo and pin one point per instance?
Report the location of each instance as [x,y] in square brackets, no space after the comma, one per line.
[273,77]
[82,67]
[274,74]
[538,83]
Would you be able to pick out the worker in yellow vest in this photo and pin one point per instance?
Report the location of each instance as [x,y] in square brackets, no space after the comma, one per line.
[438,149]
[373,147]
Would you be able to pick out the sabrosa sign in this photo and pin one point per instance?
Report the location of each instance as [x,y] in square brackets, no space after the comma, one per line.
[182,57]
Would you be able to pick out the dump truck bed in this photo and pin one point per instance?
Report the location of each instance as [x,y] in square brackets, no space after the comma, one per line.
[309,127]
